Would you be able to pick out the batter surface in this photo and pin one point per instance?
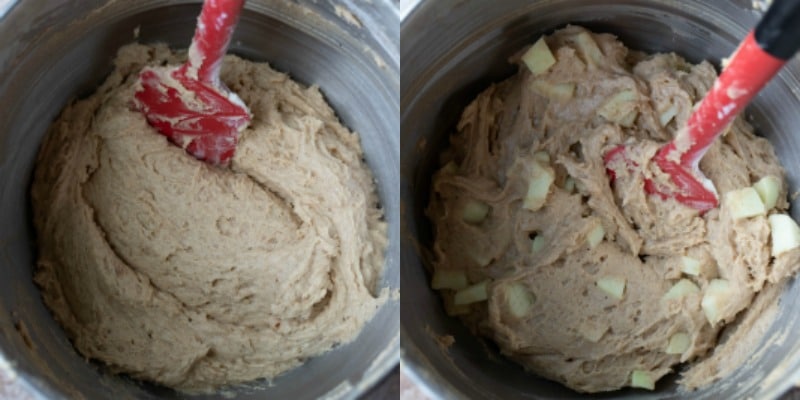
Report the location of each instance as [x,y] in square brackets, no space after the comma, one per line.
[193,276]
[596,285]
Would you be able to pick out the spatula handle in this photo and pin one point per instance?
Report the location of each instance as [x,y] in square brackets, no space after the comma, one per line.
[778,33]
[749,70]
[211,38]
[759,57]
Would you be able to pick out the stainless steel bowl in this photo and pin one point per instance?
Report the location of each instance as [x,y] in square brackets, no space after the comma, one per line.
[451,50]
[54,50]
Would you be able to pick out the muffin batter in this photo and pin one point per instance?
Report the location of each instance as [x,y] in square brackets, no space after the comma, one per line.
[596,285]
[193,276]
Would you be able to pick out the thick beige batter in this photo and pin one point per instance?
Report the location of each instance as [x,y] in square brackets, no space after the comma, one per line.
[551,264]
[192,276]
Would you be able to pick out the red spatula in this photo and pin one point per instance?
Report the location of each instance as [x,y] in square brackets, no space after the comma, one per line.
[759,57]
[189,104]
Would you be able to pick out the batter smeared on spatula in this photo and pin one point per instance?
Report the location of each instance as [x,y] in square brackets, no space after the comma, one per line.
[189,104]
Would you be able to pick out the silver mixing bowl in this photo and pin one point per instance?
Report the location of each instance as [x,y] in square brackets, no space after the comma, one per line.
[453,49]
[54,50]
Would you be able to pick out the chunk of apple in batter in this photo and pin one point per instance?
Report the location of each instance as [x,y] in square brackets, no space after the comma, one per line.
[744,203]
[768,188]
[596,235]
[629,119]
[701,268]
[472,294]
[449,279]
[474,211]
[690,266]
[554,91]
[643,380]
[592,331]
[569,184]
[682,288]
[591,52]
[678,343]
[620,108]
[539,58]
[519,299]
[451,308]
[537,244]
[718,293]
[784,232]
[614,286]
[667,114]
[542,157]
[542,178]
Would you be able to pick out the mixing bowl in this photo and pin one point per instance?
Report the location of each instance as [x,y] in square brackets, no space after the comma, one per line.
[452,50]
[52,51]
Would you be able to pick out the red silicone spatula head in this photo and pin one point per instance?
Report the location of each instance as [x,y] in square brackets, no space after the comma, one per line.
[189,104]
[751,67]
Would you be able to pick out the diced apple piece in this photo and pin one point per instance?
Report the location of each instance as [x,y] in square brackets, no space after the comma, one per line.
[451,308]
[537,244]
[595,236]
[690,266]
[642,380]
[569,184]
[664,117]
[592,331]
[718,294]
[784,232]
[618,107]
[542,178]
[768,189]
[480,257]
[449,279]
[613,285]
[589,48]
[744,203]
[678,343]
[518,299]
[683,288]
[554,91]
[539,58]
[472,294]
[542,157]
[474,211]
[629,119]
